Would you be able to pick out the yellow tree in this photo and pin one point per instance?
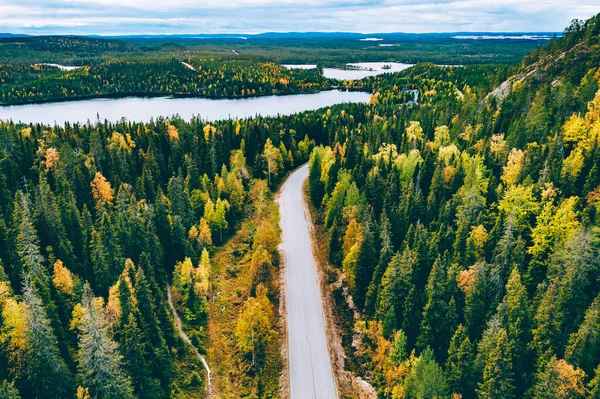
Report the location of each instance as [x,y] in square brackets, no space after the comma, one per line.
[273,158]
[253,331]
[101,190]
[560,380]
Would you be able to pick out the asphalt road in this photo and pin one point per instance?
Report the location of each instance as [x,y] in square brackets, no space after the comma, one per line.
[311,375]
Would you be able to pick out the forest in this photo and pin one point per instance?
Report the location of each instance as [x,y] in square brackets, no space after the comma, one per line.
[466,232]
[216,67]
[329,49]
[463,230]
[213,78]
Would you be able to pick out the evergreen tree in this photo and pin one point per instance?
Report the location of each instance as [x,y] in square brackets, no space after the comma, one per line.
[498,376]
[385,256]
[583,349]
[100,363]
[46,369]
[558,379]
[515,313]
[459,364]
[156,346]
[8,391]
[316,186]
[426,379]
[439,317]
[134,359]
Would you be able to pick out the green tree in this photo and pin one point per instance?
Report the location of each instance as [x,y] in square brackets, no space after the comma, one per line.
[385,256]
[315,184]
[460,363]
[594,385]
[47,371]
[498,376]
[515,314]
[156,346]
[398,352]
[135,360]
[100,363]
[583,349]
[426,379]
[9,391]
[439,317]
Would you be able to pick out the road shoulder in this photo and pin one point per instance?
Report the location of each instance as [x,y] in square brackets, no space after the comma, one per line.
[284,377]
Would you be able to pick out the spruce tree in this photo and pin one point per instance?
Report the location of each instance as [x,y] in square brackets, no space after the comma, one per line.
[498,376]
[459,364]
[316,186]
[46,370]
[156,346]
[9,391]
[135,360]
[100,363]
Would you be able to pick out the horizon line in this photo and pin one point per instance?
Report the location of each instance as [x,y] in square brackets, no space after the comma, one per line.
[242,34]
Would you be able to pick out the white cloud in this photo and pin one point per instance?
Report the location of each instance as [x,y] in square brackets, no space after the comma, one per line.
[251,16]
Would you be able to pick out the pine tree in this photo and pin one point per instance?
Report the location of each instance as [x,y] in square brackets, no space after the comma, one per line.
[439,318]
[32,265]
[367,259]
[156,346]
[50,225]
[426,379]
[385,256]
[477,306]
[498,376]
[9,391]
[316,186]
[398,352]
[106,253]
[46,371]
[396,285]
[135,360]
[515,313]
[27,244]
[459,365]
[583,349]
[100,363]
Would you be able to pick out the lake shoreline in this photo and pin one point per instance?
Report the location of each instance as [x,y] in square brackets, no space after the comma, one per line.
[135,108]
[175,95]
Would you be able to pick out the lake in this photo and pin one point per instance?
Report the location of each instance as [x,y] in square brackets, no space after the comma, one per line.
[142,109]
[363,69]
[359,70]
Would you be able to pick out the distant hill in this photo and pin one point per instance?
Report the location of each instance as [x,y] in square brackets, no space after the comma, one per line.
[12,35]
[329,35]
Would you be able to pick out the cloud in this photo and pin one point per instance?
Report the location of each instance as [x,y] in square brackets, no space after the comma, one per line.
[252,16]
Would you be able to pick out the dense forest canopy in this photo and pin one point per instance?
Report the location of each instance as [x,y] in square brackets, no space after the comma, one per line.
[224,67]
[328,49]
[206,77]
[464,227]
[467,232]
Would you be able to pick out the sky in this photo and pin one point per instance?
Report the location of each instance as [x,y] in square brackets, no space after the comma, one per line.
[120,17]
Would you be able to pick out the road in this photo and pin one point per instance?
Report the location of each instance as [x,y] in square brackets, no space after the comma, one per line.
[311,375]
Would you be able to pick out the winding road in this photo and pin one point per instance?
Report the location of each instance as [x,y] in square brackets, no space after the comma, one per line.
[311,375]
